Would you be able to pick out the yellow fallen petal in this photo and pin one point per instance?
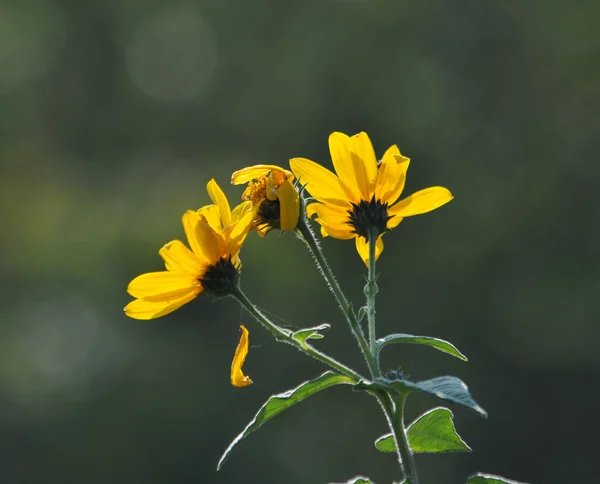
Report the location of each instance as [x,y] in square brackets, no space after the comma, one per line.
[362,247]
[289,206]
[218,197]
[422,201]
[238,379]
[363,148]
[178,258]
[148,309]
[162,283]
[320,182]
[253,172]
[347,167]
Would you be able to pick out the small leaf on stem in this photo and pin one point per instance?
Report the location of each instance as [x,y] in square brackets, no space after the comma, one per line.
[480,478]
[438,344]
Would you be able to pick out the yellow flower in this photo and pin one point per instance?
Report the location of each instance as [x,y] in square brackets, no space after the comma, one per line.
[238,379]
[272,193]
[215,235]
[363,197]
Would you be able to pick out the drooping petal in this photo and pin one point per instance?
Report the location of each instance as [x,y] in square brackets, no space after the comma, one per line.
[253,172]
[150,309]
[362,146]
[203,240]
[164,283]
[218,197]
[348,168]
[238,379]
[178,258]
[422,201]
[362,247]
[212,214]
[320,182]
[289,206]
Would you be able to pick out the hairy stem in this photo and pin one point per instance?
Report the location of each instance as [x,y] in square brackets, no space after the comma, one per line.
[285,336]
[371,290]
[306,234]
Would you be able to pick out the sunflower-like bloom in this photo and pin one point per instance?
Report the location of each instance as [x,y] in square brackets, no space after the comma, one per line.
[272,193]
[238,379]
[215,235]
[364,196]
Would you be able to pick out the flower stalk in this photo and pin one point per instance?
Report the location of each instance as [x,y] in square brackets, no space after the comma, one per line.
[307,235]
[371,290]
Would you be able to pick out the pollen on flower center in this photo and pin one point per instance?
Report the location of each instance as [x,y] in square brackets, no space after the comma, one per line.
[365,216]
[221,279]
[256,190]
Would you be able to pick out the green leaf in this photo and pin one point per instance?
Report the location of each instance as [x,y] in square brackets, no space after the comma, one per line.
[358,480]
[480,478]
[310,333]
[434,432]
[431,433]
[362,313]
[278,403]
[438,344]
[447,388]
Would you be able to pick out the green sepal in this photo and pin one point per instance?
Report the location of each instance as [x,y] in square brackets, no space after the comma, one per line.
[282,401]
[480,478]
[431,433]
[447,388]
[438,344]
[310,333]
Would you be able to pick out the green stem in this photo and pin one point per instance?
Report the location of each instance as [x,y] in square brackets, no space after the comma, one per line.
[405,453]
[285,336]
[307,235]
[371,290]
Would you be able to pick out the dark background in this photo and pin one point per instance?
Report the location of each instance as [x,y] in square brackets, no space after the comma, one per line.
[114,116]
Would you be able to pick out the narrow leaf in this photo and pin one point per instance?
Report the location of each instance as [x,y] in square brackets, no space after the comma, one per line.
[431,433]
[480,478]
[278,403]
[310,333]
[447,388]
[438,344]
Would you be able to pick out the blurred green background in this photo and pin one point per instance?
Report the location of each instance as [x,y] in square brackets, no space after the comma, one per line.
[114,116]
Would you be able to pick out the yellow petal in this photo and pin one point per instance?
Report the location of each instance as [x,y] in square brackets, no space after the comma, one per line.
[422,201]
[253,172]
[330,214]
[238,379]
[362,247]
[148,309]
[218,197]
[337,232]
[178,258]
[165,283]
[391,176]
[238,234]
[363,148]
[320,182]
[203,240]
[212,214]
[393,222]
[239,211]
[289,206]
[348,168]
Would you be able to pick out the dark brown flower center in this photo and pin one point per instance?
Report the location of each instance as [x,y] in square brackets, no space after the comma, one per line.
[366,216]
[221,279]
